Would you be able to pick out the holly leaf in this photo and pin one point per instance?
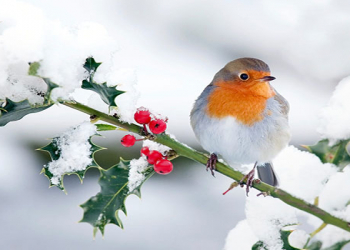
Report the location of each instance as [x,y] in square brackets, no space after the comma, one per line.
[14,111]
[55,153]
[337,246]
[107,94]
[103,208]
[315,246]
[337,154]
[284,237]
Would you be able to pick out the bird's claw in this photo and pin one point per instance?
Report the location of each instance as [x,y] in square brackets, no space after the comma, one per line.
[249,181]
[211,164]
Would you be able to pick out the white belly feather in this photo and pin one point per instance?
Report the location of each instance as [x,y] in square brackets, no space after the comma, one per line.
[241,144]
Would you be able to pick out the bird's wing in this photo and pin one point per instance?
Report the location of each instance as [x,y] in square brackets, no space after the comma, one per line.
[283,102]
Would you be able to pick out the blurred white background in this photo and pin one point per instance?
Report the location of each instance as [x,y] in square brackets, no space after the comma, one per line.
[176,48]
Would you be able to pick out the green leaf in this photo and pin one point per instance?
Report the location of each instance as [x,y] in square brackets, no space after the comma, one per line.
[33,68]
[103,208]
[259,246]
[14,111]
[337,154]
[107,94]
[315,246]
[284,237]
[55,153]
[105,127]
[337,246]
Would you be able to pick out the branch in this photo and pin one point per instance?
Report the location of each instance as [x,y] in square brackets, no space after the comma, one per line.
[183,150]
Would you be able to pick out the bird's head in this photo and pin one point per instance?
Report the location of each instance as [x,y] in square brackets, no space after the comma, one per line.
[243,72]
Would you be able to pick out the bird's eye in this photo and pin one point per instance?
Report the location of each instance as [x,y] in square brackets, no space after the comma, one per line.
[244,76]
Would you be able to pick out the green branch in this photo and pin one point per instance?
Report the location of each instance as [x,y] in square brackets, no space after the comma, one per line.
[183,150]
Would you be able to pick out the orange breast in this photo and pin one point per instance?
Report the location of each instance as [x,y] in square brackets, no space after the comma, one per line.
[246,104]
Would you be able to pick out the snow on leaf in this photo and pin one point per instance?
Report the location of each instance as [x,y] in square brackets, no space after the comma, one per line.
[284,237]
[103,208]
[337,154]
[107,94]
[14,111]
[70,155]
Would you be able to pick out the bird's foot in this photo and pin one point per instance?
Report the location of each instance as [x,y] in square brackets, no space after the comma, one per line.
[211,164]
[249,181]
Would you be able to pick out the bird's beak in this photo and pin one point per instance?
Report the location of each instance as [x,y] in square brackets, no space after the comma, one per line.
[267,78]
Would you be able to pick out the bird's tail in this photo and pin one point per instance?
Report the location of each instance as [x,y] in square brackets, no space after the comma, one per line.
[267,174]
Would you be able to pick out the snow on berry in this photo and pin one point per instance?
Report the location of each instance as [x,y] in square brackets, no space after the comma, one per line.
[128,140]
[142,116]
[163,166]
[145,151]
[157,126]
[154,156]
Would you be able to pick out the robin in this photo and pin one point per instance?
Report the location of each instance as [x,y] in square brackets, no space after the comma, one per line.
[242,118]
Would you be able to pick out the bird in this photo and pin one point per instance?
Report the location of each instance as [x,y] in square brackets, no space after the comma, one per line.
[242,118]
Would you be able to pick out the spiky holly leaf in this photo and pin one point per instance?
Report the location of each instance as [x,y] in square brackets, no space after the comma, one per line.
[337,154]
[14,111]
[107,94]
[103,208]
[284,237]
[55,153]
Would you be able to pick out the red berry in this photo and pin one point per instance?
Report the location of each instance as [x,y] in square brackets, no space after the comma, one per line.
[157,126]
[145,151]
[154,156]
[142,116]
[128,141]
[163,166]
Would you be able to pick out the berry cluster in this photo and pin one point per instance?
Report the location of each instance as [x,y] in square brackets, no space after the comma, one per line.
[160,164]
[143,116]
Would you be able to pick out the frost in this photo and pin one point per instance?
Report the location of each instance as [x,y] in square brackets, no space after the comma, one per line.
[75,151]
[335,118]
[136,172]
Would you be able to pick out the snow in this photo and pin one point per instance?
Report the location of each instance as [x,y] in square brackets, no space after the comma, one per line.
[138,166]
[334,117]
[75,151]
[335,199]
[267,216]
[136,172]
[61,51]
[155,146]
[240,237]
[302,173]
[298,238]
